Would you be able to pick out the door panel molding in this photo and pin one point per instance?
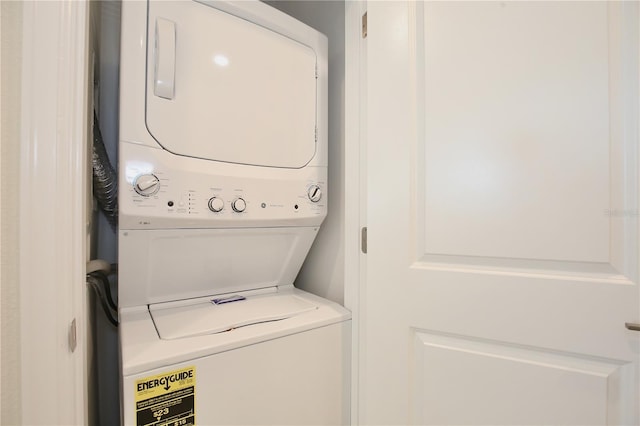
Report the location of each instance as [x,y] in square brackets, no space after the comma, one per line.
[453,374]
[603,273]
[624,210]
[611,253]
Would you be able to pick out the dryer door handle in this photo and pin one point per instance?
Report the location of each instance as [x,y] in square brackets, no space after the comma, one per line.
[165,58]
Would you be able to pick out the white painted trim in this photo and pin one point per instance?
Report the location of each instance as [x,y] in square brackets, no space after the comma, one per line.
[1,330]
[355,187]
[52,209]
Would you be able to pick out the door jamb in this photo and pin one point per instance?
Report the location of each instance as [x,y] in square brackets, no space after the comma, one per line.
[52,208]
[355,186]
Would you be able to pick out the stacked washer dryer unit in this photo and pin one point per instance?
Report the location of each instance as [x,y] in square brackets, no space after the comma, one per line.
[223,170]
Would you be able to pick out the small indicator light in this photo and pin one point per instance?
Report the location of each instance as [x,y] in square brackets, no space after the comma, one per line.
[295,207]
[170,203]
[263,205]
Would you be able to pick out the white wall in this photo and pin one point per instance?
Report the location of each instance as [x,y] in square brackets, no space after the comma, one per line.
[11,45]
[323,271]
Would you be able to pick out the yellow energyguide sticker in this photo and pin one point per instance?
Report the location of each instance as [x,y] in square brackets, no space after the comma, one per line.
[167,398]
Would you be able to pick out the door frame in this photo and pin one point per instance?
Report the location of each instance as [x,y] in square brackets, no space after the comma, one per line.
[53,229]
[355,182]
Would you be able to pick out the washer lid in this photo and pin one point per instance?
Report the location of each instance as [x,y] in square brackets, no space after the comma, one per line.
[206,317]
[220,87]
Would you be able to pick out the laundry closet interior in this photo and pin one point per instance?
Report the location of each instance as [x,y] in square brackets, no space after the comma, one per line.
[321,275]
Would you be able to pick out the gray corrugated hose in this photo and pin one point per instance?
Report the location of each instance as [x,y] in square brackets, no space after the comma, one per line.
[105,179]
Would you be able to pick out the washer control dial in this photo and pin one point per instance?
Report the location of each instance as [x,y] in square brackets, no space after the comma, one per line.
[216,204]
[147,185]
[239,205]
[314,193]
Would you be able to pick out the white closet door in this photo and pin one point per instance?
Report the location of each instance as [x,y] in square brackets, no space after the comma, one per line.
[503,258]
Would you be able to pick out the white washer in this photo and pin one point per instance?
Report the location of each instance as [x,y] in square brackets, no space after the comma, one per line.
[222,189]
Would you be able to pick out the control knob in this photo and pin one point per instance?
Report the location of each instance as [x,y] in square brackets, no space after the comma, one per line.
[314,193]
[146,185]
[216,204]
[239,205]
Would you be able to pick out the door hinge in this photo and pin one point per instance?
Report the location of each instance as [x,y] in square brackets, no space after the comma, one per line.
[73,336]
[364,25]
[363,239]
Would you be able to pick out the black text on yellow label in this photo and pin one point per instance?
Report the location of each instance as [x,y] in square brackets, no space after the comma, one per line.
[167,398]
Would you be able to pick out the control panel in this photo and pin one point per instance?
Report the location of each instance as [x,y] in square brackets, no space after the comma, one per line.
[157,196]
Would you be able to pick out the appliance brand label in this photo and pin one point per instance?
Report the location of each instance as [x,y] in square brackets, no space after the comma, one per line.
[167,398]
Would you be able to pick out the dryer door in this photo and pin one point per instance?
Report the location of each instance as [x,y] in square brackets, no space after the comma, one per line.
[222,88]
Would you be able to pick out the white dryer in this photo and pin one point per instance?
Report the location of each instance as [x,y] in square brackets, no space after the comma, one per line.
[222,190]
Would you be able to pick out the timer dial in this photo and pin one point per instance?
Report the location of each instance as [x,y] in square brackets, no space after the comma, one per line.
[314,193]
[147,185]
